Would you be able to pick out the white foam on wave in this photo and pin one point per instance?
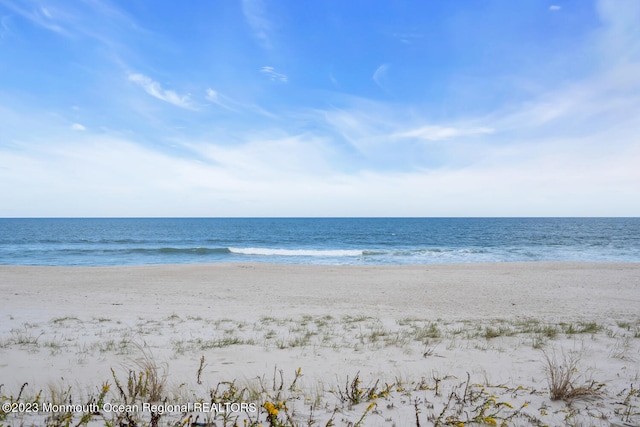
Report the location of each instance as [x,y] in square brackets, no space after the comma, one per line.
[297,252]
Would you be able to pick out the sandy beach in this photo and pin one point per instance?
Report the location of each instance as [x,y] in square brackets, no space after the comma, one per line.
[429,344]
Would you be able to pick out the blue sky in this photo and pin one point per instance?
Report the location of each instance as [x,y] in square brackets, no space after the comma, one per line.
[320,108]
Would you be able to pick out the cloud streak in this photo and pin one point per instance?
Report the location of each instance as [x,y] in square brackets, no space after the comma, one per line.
[37,15]
[230,104]
[5,30]
[255,14]
[221,100]
[438,133]
[273,75]
[154,89]
[380,75]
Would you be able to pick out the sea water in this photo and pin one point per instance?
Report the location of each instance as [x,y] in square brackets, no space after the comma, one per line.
[334,241]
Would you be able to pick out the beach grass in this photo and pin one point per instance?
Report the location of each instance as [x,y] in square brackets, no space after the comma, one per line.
[557,388]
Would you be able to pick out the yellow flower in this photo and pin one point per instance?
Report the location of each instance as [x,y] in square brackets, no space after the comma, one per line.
[491,421]
[271,409]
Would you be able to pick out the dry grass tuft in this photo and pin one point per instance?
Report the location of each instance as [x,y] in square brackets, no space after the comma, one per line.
[563,377]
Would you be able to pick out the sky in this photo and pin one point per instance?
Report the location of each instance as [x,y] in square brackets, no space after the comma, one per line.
[262,108]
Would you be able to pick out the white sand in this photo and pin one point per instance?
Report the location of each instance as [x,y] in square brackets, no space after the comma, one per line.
[69,326]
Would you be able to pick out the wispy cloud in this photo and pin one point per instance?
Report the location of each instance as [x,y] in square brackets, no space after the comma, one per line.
[270,154]
[221,100]
[380,75]
[273,75]
[333,80]
[154,89]
[234,105]
[5,30]
[438,133]
[362,126]
[607,98]
[408,37]
[41,16]
[568,146]
[88,20]
[620,40]
[255,15]
[295,175]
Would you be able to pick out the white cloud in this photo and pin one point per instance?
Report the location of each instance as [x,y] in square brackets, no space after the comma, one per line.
[554,7]
[270,155]
[231,104]
[606,99]
[154,89]
[363,126]
[438,133]
[212,95]
[620,35]
[291,176]
[273,75]
[380,75]
[569,150]
[221,100]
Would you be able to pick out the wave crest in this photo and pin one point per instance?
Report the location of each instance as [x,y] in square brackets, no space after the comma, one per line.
[297,252]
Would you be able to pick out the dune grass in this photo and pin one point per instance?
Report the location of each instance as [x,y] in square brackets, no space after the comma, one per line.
[559,390]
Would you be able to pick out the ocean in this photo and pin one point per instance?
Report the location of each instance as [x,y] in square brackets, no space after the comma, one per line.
[328,241]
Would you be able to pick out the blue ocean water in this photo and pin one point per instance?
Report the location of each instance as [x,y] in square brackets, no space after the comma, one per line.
[336,241]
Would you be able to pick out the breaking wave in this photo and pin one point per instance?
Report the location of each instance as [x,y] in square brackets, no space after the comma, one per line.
[298,252]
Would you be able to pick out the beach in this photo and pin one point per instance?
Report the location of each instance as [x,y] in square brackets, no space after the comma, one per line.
[419,338]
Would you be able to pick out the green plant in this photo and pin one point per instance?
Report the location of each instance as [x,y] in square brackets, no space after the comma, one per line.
[146,385]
